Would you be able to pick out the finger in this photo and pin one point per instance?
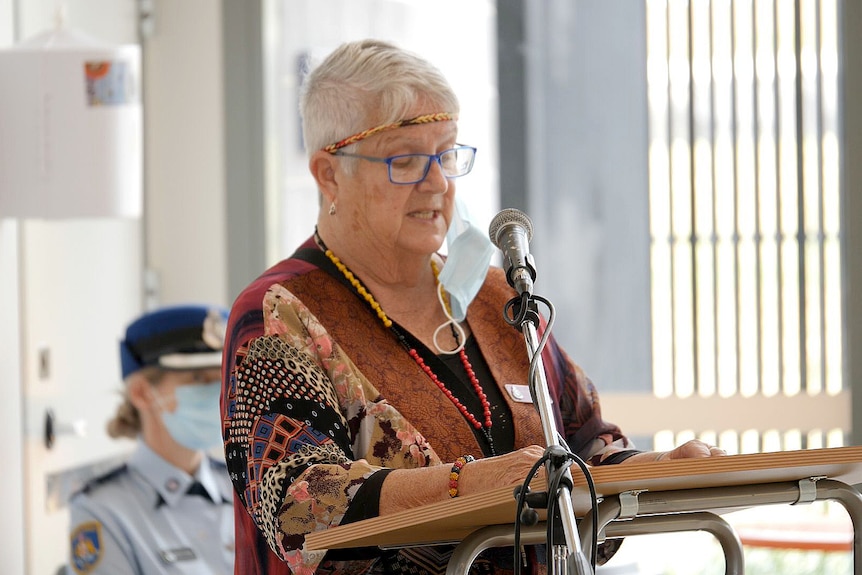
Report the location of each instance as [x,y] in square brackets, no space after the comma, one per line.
[693,450]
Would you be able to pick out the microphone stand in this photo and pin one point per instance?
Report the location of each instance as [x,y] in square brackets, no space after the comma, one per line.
[568,558]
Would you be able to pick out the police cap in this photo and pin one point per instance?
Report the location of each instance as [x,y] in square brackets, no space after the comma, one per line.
[175,338]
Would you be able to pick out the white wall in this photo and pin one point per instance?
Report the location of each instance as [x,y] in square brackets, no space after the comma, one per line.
[184,152]
[69,287]
[11,418]
[80,284]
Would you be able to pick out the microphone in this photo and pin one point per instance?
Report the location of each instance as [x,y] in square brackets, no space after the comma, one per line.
[511,231]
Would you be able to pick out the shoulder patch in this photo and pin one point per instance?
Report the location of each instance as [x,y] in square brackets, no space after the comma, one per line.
[86,549]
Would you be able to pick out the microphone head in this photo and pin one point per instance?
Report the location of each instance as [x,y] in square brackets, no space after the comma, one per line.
[507,217]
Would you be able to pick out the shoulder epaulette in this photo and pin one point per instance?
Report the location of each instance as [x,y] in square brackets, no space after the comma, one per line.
[219,464]
[106,477]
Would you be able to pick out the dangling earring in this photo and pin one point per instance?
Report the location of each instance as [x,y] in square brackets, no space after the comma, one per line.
[332,209]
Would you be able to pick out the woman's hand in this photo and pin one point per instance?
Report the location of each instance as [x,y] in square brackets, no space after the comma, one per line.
[691,449]
[688,450]
[493,472]
[408,488]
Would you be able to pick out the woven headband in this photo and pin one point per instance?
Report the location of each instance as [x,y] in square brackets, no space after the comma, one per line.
[425,119]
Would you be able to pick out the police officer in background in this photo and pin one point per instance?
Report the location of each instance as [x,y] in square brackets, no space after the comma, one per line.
[169,509]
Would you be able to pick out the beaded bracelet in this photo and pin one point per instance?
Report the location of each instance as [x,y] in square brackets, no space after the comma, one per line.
[455,473]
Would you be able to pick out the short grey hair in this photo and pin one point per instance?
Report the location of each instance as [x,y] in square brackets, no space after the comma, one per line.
[366,83]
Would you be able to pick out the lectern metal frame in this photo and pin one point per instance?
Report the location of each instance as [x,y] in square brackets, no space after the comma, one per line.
[501,536]
[680,510]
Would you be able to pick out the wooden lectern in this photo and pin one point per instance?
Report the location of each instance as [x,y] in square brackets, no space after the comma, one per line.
[636,498]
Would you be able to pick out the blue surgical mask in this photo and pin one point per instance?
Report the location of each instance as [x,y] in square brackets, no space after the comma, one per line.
[196,421]
[469,254]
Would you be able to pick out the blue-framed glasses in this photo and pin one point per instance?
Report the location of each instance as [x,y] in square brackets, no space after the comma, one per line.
[413,168]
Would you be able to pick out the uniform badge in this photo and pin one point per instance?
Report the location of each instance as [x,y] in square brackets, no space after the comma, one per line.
[170,556]
[86,547]
[214,330]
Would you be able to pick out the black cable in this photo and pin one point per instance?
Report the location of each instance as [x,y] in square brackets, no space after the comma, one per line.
[522,499]
[517,319]
[534,361]
[553,491]
[553,495]
[594,503]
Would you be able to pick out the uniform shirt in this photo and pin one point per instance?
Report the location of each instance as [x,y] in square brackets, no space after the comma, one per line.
[141,519]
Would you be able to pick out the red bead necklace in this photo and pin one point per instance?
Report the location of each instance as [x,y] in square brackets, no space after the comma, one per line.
[366,296]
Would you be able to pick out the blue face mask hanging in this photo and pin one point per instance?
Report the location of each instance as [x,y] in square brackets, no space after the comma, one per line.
[196,422]
[469,254]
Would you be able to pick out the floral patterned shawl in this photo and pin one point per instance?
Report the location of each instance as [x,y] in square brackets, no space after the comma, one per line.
[319,401]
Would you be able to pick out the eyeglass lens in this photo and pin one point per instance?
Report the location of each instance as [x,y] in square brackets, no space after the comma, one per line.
[411,168]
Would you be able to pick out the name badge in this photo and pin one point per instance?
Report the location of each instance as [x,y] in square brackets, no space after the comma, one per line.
[519,393]
[170,556]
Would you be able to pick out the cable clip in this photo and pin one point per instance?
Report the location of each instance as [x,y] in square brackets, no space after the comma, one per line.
[629,506]
[808,489]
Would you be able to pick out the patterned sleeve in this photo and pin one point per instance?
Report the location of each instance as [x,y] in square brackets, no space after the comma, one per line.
[589,436]
[305,429]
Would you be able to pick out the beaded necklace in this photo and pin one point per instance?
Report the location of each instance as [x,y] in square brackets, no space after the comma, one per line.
[363,293]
